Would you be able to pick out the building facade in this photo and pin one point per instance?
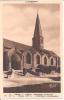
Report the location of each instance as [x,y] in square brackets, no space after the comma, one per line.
[19,56]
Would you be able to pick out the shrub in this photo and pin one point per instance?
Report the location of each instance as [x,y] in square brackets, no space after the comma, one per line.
[43,69]
[58,70]
[24,71]
[53,68]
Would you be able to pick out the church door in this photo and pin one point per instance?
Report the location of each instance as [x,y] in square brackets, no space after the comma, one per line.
[16,62]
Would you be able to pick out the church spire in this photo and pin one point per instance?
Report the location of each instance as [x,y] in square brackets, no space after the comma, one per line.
[38,38]
[37,30]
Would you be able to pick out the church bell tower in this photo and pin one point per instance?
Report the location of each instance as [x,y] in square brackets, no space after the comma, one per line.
[37,40]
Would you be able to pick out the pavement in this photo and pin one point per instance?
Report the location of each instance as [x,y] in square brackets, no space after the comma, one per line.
[16,80]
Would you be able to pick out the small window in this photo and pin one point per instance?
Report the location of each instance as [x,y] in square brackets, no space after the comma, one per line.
[45,60]
[52,61]
[38,59]
[28,58]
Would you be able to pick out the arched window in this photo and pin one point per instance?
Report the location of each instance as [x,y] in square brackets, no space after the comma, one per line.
[28,58]
[45,60]
[38,59]
[52,61]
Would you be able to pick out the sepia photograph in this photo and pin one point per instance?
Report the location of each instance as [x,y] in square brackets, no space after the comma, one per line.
[31,48]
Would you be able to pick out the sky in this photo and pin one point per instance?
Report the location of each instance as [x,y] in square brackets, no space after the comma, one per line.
[19,23]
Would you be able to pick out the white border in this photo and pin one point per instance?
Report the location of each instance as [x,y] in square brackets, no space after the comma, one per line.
[61,42]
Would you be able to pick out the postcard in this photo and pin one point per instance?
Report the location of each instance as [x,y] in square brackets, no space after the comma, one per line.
[31,49]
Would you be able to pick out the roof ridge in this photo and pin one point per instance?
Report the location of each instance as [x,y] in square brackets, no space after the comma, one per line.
[16,42]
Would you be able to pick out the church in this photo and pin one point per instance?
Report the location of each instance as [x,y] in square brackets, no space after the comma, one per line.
[18,56]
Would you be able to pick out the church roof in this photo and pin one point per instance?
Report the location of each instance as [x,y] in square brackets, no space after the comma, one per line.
[48,52]
[8,44]
[11,44]
[44,51]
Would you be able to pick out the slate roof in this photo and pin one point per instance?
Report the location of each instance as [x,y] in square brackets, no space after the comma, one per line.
[8,44]
[49,53]
[11,44]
